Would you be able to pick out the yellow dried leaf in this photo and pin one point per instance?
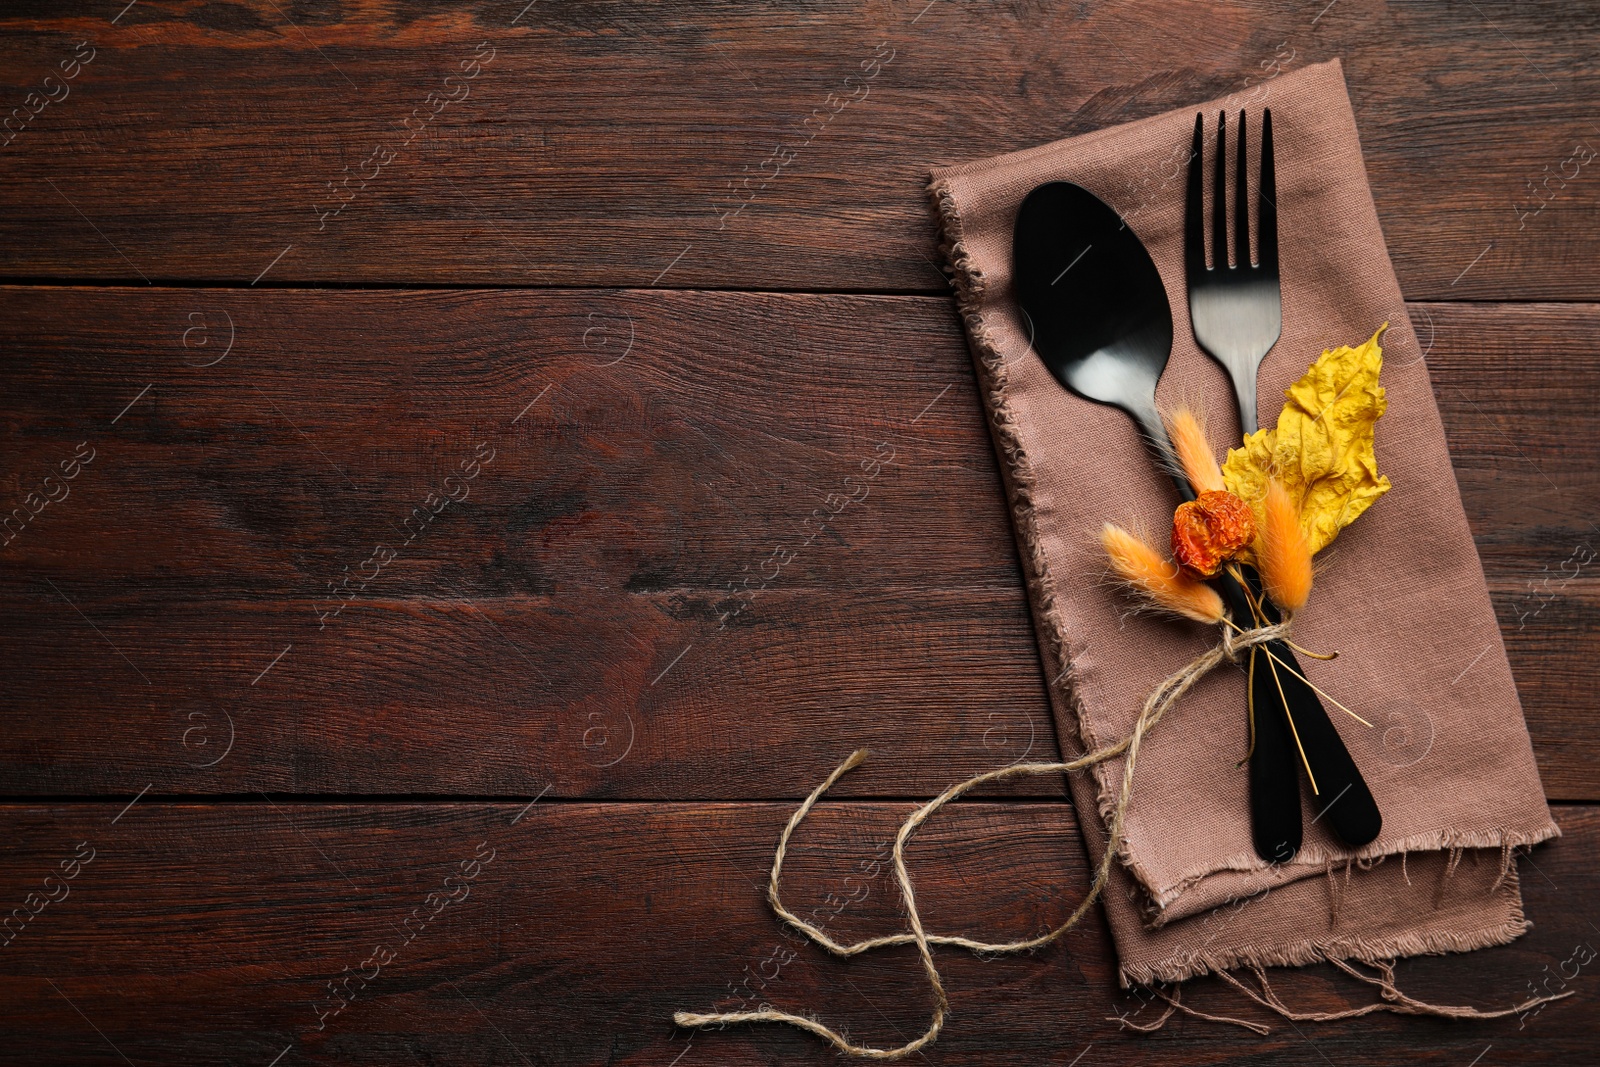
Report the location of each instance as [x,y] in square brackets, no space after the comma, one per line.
[1321,451]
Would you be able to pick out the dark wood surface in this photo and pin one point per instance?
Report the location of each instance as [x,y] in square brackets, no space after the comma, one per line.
[209,933]
[581,590]
[601,141]
[605,620]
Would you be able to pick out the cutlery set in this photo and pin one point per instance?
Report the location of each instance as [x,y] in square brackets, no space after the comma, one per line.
[1103,326]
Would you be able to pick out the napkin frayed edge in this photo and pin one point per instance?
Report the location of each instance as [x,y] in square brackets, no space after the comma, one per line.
[1313,859]
[1017,471]
[1181,967]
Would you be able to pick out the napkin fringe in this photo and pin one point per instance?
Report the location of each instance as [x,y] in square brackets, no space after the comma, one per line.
[1393,999]
[1371,950]
[1313,858]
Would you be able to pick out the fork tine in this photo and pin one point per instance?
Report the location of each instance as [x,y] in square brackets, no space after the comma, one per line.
[1219,201]
[1194,208]
[1267,227]
[1241,204]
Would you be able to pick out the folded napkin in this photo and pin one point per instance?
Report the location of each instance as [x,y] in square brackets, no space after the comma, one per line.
[1401,595]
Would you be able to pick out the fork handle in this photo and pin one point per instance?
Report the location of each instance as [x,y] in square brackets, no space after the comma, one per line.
[1244,388]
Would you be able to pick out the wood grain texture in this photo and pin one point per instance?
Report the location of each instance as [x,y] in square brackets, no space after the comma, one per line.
[723,538]
[609,598]
[570,624]
[209,933]
[1521,441]
[610,143]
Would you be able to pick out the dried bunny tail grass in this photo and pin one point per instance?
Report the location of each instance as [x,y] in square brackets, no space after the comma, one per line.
[1193,451]
[1282,552]
[1157,579]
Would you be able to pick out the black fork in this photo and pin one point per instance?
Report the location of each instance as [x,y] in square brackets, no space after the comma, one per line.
[1236,312]
[1235,307]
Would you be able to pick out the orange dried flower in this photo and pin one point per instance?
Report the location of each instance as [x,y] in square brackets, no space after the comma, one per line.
[1162,583]
[1194,453]
[1209,530]
[1283,554]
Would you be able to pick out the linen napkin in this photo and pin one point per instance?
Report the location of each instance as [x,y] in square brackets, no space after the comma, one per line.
[1401,594]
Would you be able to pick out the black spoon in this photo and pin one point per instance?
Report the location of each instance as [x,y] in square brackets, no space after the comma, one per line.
[1103,326]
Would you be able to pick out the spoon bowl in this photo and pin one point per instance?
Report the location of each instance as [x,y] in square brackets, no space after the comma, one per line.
[1101,320]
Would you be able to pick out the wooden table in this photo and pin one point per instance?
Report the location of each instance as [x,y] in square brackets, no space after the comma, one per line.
[401,417]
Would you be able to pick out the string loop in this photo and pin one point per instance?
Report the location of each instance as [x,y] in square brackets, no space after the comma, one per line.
[1160,701]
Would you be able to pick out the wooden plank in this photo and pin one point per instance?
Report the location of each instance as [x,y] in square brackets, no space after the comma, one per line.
[610,593]
[619,695]
[211,933]
[1515,388]
[641,441]
[541,620]
[612,144]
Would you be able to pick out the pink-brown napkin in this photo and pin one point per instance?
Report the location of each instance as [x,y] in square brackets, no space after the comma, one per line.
[1401,594]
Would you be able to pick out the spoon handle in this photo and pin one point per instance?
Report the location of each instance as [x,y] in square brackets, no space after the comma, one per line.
[1275,821]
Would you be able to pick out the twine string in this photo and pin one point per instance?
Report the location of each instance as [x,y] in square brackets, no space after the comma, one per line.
[1159,702]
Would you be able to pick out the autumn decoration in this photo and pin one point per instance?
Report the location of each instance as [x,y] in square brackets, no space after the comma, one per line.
[1277,500]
